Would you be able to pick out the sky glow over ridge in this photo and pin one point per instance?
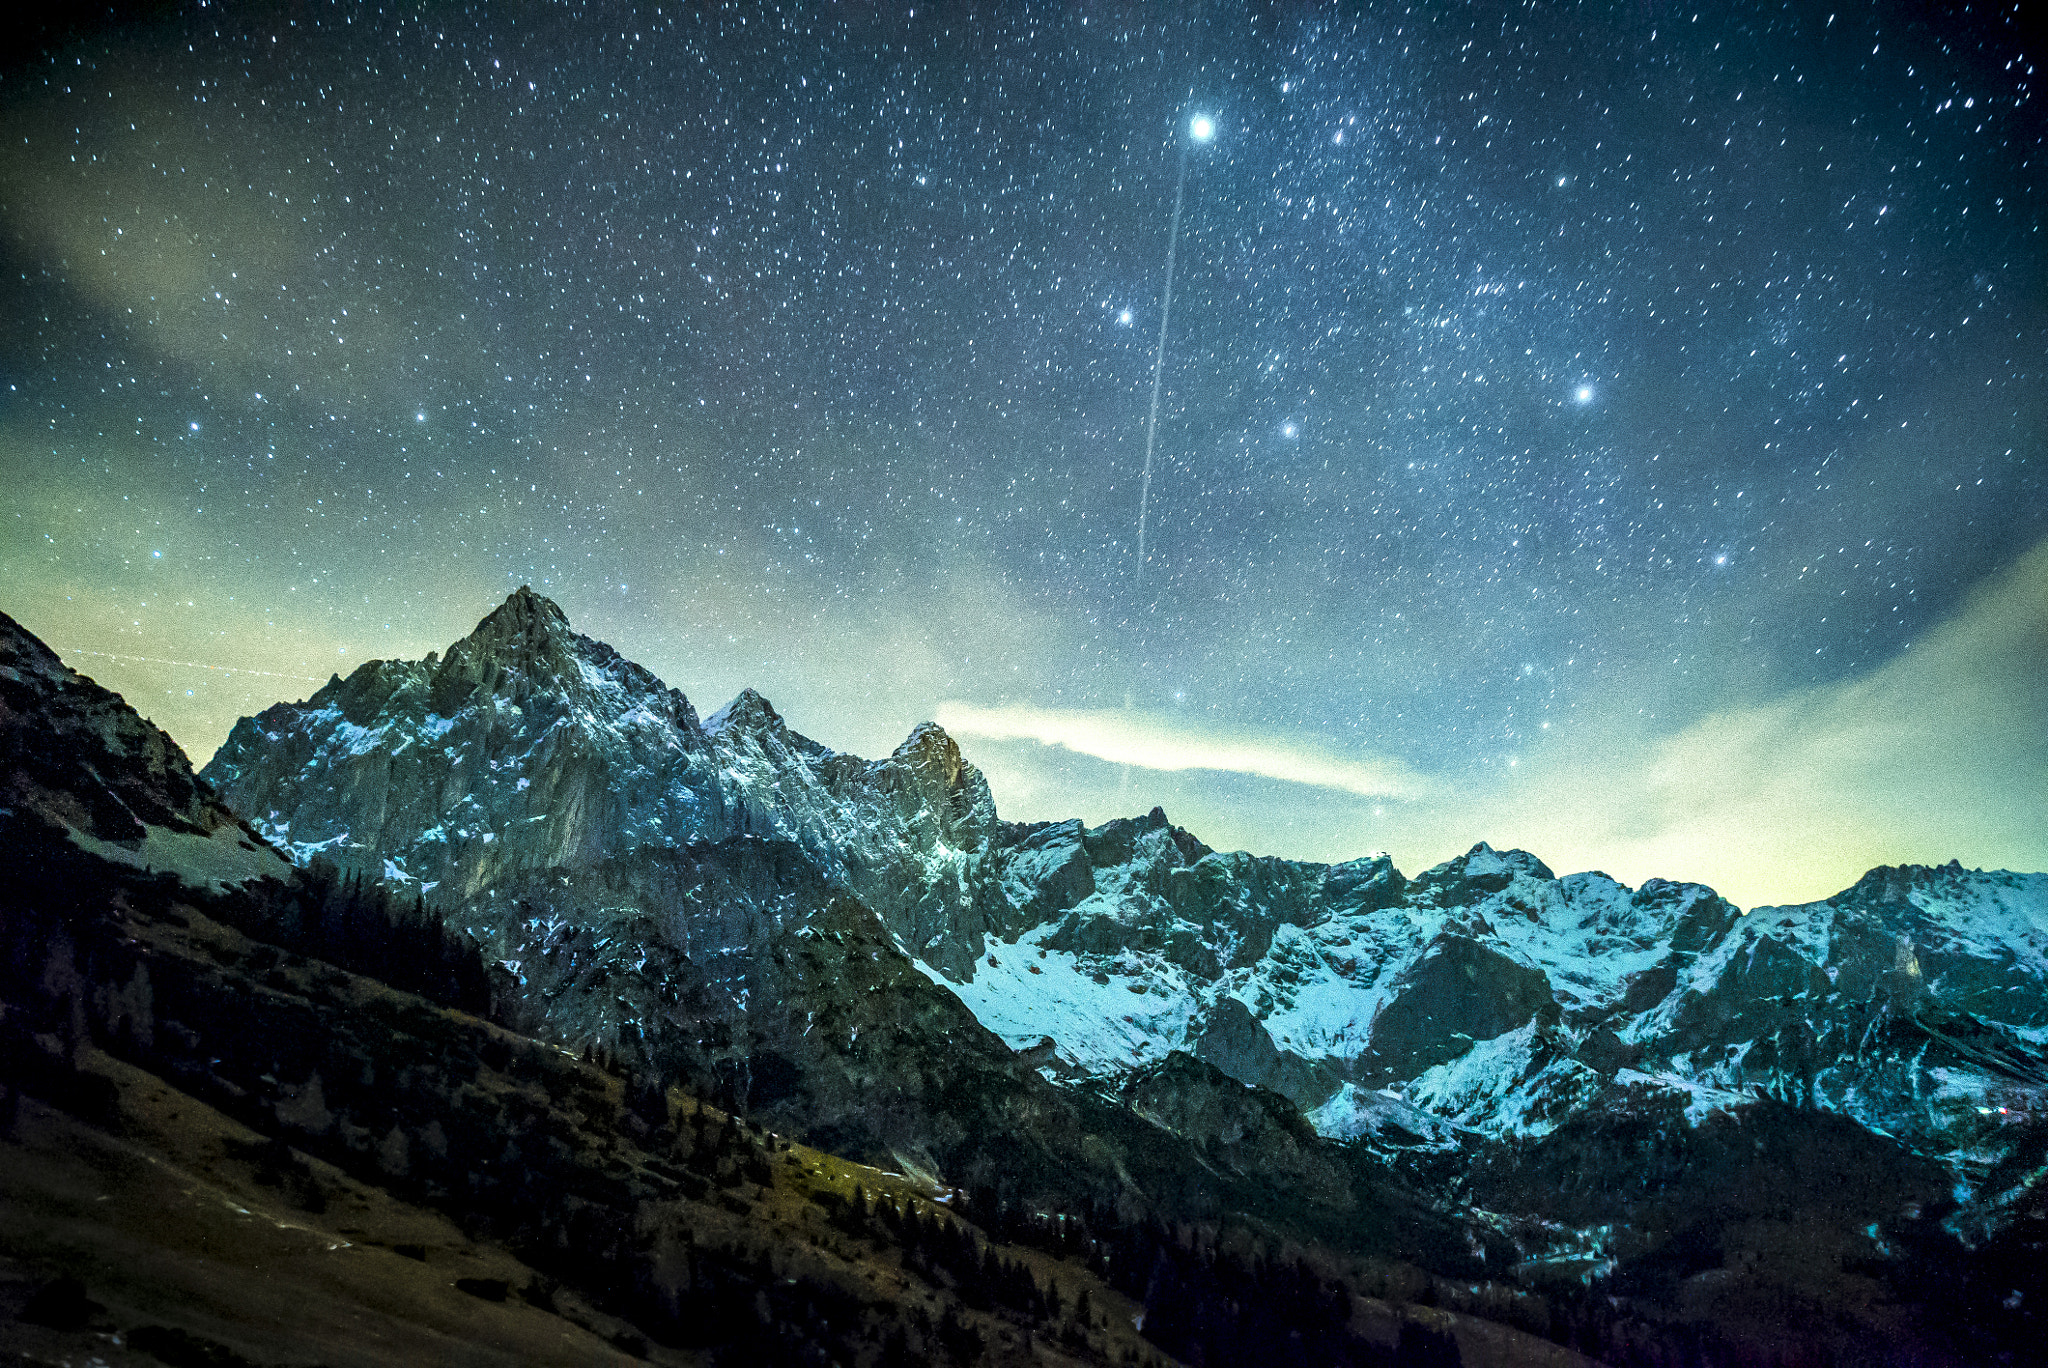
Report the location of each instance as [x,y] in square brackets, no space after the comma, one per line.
[1620,426]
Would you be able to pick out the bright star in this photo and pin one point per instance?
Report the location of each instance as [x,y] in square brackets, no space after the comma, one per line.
[195,427]
[1201,128]
[420,417]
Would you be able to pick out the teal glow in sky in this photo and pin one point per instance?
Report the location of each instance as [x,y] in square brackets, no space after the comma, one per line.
[1622,435]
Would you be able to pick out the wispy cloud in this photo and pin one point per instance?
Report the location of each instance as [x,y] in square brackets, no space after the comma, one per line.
[1939,752]
[1154,743]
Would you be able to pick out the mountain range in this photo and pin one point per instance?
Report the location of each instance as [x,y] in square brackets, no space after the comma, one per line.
[1637,1120]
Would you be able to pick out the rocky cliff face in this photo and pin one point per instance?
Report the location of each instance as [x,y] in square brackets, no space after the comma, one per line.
[648,877]
[531,760]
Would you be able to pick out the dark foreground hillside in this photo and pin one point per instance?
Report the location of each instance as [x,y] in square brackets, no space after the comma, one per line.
[218,1151]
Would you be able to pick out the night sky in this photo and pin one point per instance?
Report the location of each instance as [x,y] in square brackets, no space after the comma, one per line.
[1613,429]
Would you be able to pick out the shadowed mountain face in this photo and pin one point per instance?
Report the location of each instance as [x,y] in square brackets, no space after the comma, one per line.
[1593,1078]
[75,758]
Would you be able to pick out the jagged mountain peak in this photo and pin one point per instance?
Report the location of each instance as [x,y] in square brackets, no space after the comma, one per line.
[422,769]
[928,737]
[524,653]
[523,615]
[1897,883]
[750,724]
[530,749]
[933,780]
[928,746]
[748,711]
[523,644]
[1482,869]
[935,757]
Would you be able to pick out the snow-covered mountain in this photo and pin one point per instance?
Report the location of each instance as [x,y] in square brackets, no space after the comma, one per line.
[1502,999]
[1475,1022]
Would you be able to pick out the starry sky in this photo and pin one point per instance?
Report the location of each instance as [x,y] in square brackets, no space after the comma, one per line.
[1610,429]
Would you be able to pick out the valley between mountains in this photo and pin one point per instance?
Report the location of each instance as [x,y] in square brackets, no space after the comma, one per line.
[1479,1112]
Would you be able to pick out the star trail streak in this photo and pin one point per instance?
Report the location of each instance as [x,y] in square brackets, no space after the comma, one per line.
[1559,401]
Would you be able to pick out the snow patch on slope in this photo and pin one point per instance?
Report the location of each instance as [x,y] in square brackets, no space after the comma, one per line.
[1102,1023]
[1355,1113]
[1514,1085]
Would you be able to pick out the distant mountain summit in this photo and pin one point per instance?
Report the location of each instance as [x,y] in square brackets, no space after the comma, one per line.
[529,752]
[1594,1074]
